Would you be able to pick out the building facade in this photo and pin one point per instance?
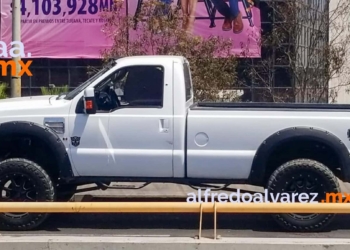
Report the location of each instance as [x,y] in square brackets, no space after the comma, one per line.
[339,33]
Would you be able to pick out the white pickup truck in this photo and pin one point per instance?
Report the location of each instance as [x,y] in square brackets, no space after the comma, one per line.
[135,121]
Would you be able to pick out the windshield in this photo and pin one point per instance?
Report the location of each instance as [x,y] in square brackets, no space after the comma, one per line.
[85,84]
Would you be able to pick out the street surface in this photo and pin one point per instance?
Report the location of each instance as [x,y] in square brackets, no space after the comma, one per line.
[175,225]
[172,225]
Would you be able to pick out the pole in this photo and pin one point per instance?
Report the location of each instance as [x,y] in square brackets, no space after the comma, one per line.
[16,36]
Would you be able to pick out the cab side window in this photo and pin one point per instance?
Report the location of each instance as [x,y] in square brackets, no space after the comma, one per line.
[141,86]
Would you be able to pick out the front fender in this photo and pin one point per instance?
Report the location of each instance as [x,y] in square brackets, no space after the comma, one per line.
[48,136]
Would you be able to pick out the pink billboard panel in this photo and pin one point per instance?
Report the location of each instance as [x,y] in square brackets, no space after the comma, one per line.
[72,28]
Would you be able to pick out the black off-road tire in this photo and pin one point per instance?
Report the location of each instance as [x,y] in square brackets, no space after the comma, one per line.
[325,182]
[42,187]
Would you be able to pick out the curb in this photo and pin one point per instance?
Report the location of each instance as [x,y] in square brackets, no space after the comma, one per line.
[171,243]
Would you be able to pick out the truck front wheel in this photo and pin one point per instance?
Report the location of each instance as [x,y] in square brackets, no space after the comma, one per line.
[22,180]
[308,177]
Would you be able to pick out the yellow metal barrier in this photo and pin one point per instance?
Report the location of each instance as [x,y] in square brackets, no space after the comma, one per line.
[173,207]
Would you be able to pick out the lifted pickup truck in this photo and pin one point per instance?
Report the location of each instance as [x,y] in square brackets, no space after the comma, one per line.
[135,121]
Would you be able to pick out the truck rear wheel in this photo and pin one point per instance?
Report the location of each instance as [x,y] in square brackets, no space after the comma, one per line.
[22,180]
[303,176]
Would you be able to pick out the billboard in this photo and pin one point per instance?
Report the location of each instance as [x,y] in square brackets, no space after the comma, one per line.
[72,28]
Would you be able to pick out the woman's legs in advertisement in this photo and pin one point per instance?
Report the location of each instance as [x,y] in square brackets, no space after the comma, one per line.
[184,8]
[192,14]
[188,10]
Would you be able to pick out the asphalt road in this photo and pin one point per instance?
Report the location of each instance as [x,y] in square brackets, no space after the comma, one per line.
[172,225]
[175,225]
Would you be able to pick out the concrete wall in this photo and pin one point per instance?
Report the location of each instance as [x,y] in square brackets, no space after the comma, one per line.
[339,33]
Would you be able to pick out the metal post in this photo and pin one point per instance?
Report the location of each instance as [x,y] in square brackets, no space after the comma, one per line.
[16,36]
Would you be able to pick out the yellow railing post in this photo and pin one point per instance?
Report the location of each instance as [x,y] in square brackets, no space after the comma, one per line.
[200,220]
[214,220]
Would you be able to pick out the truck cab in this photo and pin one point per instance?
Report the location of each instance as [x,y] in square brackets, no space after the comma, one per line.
[137,127]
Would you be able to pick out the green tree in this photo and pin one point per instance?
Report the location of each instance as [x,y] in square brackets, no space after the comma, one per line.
[3,88]
[213,66]
[310,41]
[54,90]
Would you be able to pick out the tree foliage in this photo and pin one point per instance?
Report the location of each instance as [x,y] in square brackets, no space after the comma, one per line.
[3,88]
[54,90]
[309,43]
[158,30]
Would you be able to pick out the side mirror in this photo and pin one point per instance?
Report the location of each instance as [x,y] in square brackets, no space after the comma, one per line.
[89,101]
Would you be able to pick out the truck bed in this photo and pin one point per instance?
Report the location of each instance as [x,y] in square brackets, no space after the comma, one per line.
[270,106]
[233,132]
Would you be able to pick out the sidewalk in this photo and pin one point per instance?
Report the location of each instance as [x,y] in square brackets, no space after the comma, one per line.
[162,243]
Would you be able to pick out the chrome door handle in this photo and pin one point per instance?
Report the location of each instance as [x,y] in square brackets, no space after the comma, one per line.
[164,125]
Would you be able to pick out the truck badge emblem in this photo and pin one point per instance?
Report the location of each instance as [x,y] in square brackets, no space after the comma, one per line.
[75,141]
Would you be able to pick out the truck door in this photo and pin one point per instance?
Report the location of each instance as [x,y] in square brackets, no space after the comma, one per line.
[141,128]
[89,144]
[88,136]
